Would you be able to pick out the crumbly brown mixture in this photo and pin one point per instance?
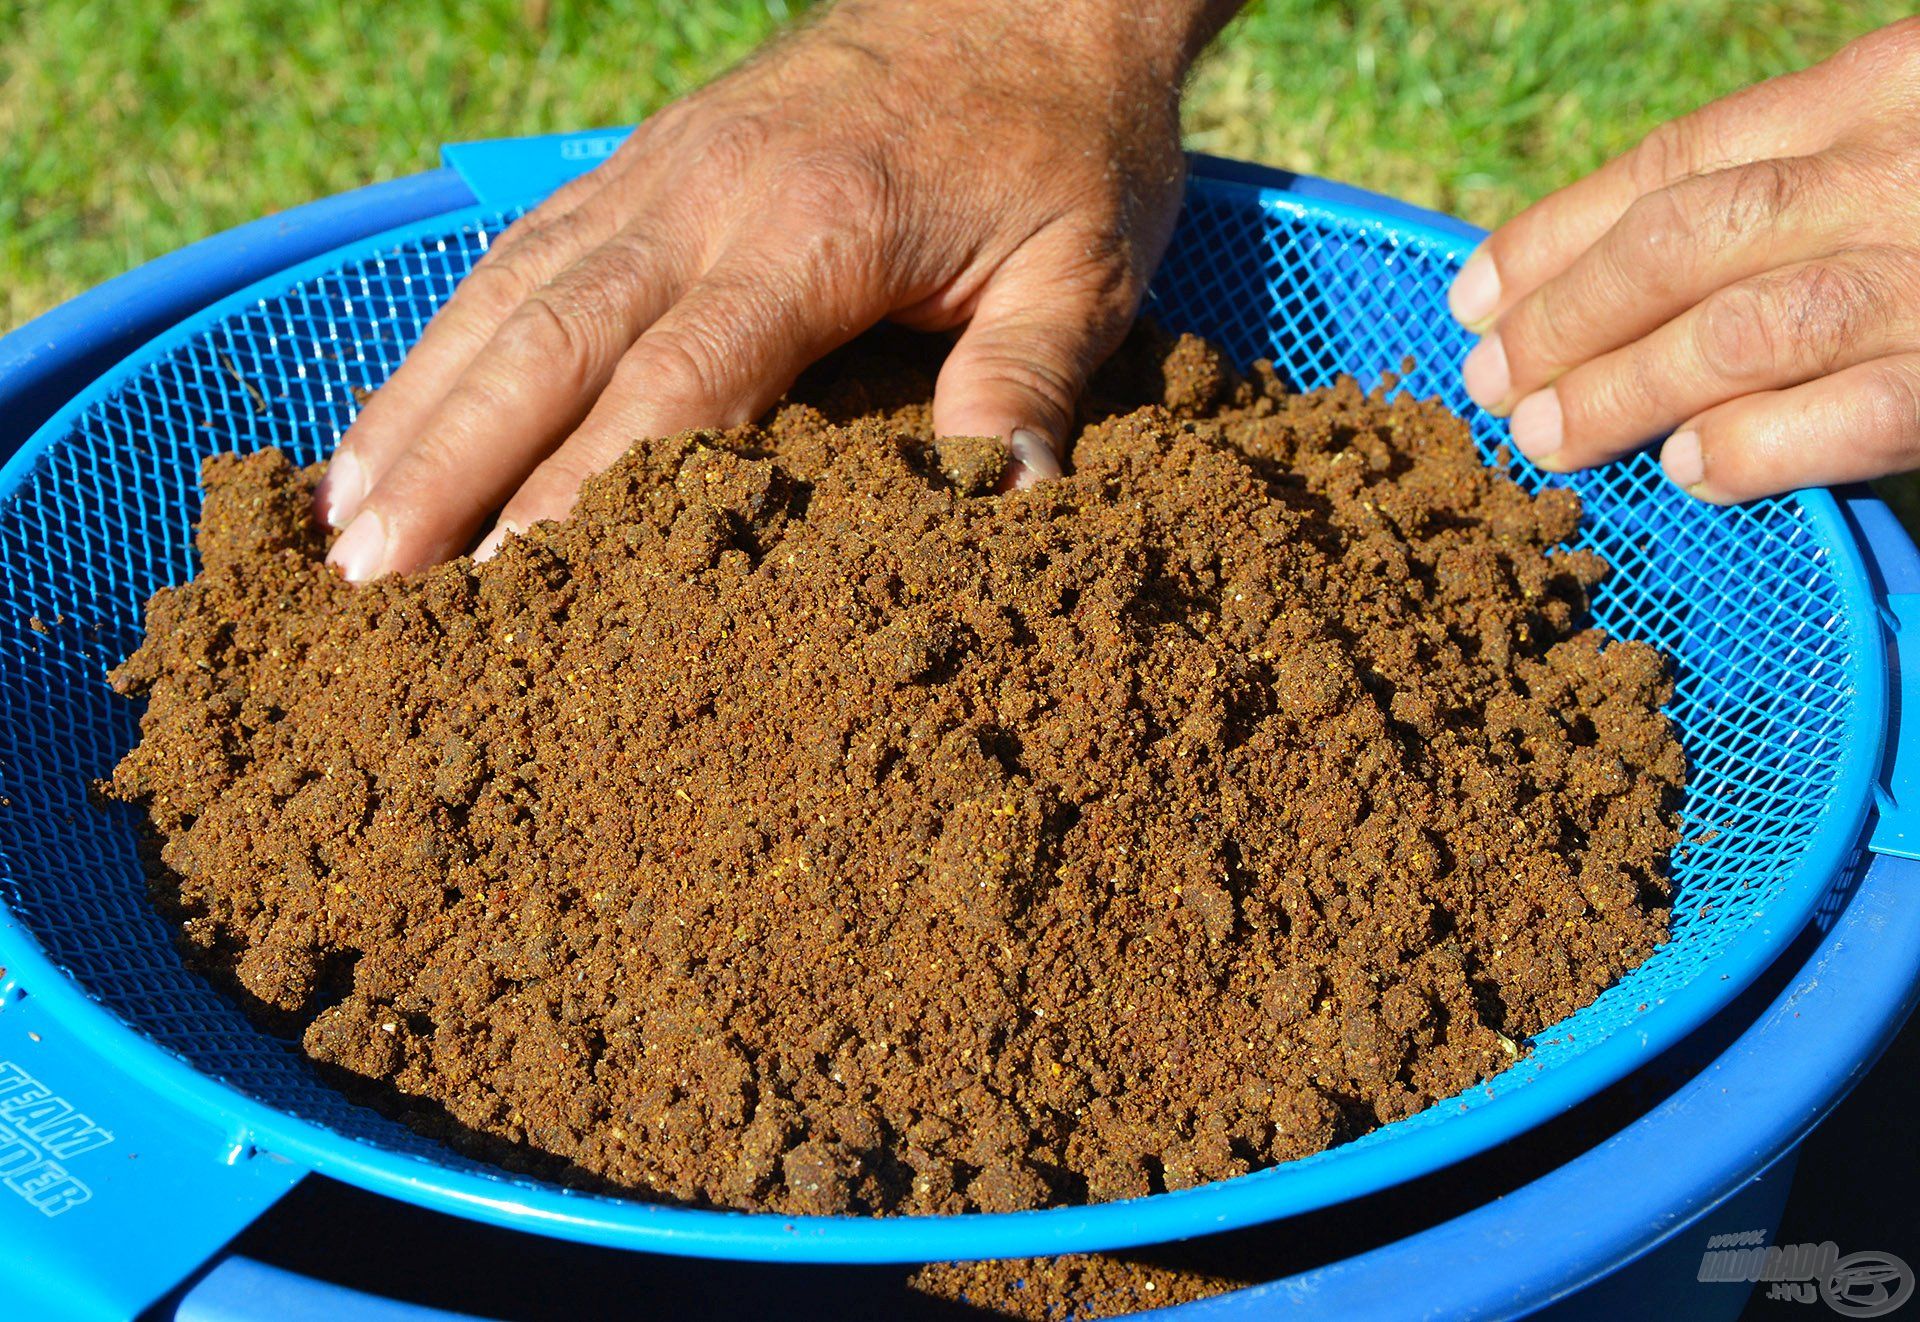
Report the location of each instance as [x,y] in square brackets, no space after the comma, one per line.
[1077,1286]
[802,826]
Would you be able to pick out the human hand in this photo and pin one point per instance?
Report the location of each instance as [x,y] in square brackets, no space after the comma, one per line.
[1007,167]
[1748,278]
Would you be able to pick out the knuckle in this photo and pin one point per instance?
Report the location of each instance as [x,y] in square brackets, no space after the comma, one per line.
[1657,235]
[1756,197]
[628,273]
[494,289]
[731,146]
[1541,334]
[1795,323]
[1827,309]
[838,187]
[1024,365]
[545,336]
[432,459]
[667,128]
[832,217]
[671,365]
[1668,235]
[1604,403]
[426,485]
[548,492]
[1670,152]
[638,251]
[1737,335]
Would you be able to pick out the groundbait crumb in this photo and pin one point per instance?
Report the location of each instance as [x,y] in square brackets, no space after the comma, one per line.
[806,824]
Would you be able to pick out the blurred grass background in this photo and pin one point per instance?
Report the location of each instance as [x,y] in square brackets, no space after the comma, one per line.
[130,127]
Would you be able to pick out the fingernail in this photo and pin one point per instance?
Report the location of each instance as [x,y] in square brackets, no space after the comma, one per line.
[1685,466]
[1475,291]
[1033,459]
[490,544]
[359,551]
[1485,373]
[341,490]
[1537,424]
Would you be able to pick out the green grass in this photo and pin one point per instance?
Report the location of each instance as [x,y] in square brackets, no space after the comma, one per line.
[1480,106]
[130,127]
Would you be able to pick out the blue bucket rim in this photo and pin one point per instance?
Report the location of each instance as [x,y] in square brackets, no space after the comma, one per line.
[1384,1158]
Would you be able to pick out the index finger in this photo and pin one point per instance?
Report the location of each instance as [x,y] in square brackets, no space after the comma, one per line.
[1788,116]
[529,253]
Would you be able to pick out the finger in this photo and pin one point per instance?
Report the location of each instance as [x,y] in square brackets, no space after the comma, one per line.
[1859,423]
[1789,116]
[718,358]
[1050,314]
[1672,250]
[392,418]
[1771,332]
[513,404]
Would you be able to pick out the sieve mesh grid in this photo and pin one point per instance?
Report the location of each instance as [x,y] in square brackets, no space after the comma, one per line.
[1753,605]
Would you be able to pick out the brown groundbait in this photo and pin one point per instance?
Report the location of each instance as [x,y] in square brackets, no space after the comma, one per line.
[799,827]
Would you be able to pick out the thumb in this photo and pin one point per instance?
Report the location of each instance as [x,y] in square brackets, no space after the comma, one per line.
[1042,324]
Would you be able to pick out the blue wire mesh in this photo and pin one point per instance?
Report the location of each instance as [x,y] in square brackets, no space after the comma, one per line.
[1748,602]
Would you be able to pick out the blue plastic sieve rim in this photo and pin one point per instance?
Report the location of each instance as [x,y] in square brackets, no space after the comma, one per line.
[1336,1175]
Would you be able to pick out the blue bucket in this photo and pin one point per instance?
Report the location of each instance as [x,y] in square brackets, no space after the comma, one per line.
[1775,614]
